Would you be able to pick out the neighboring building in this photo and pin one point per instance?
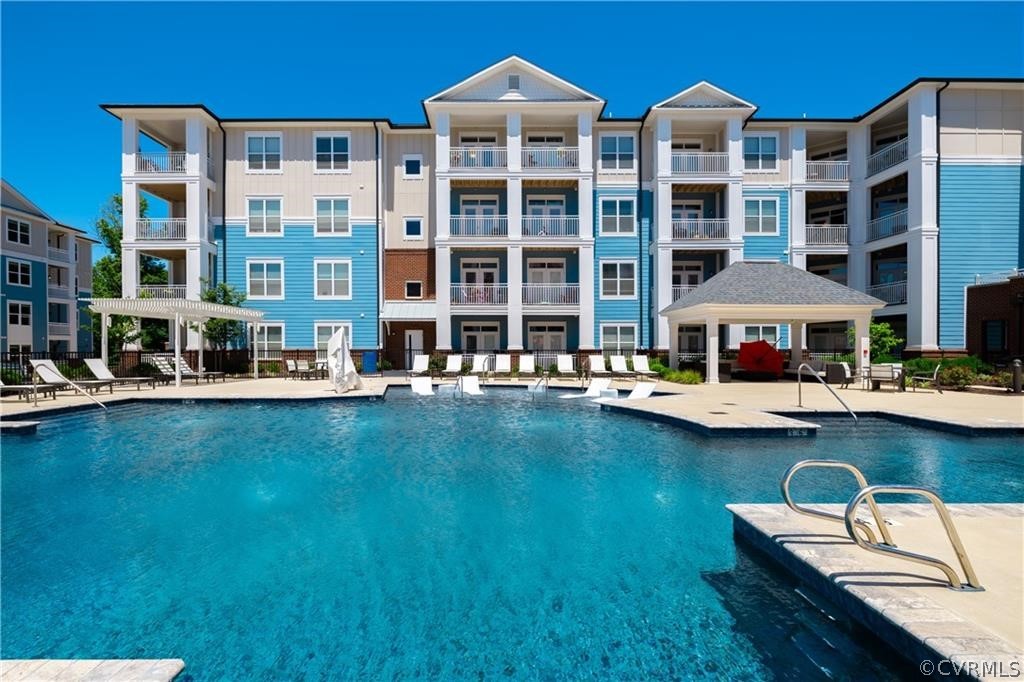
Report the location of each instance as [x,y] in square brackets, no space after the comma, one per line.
[995,317]
[519,216]
[47,275]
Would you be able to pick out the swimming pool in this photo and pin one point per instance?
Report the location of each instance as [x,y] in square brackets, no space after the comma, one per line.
[441,537]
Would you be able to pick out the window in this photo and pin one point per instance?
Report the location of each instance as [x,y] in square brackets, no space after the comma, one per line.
[545,140]
[761,332]
[264,217]
[617,151]
[332,152]
[19,272]
[618,338]
[618,217]
[333,279]
[995,335]
[19,314]
[270,336]
[323,331]
[19,232]
[413,228]
[412,166]
[265,279]
[618,279]
[513,81]
[414,289]
[760,152]
[19,348]
[332,217]
[263,152]
[761,216]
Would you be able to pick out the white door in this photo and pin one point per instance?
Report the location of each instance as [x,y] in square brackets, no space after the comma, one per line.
[480,217]
[691,340]
[413,345]
[545,216]
[546,341]
[685,217]
[479,337]
[688,275]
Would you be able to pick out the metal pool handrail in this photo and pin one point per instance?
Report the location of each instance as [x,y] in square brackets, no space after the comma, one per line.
[869,492]
[862,483]
[800,389]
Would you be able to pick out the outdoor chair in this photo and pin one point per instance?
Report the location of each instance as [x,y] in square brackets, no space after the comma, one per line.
[103,373]
[453,367]
[620,368]
[642,368]
[26,390]
[527,365]
[420,366]
[597,367]
[48,372]
[924,377]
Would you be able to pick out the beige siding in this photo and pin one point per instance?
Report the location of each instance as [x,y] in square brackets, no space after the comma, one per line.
[38,246]
[299,182]
[84,268]
[782,176]
[982,122]
[407,197]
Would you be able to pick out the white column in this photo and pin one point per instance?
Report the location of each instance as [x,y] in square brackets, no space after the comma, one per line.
[194,200]
[733,332]
[129,144]
[734,212]
[673,344]
[734,143]
[798,155]
[129,272]
[922,292]
[796,344]
[663,146]
[442,142]
[862,342]
[442,208]
[104,340]
[585,140]
[195,143]
[922,242]
[514,141]
[443,270]
[663,293]
[585,199]
[129,211]
[177,350]
[797,218]
[200,344]
[587,265]
[514,199]
[515,297]
[711,346]
[193,271]
[256,350]
[663,209]
[857,209]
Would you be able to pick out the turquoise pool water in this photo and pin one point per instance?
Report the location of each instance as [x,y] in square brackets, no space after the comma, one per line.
[444,538]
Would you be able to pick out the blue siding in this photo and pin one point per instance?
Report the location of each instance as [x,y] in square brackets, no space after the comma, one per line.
[298,310]
[84,322]
[980,231]
[634,247]
[775,247]
[35,294]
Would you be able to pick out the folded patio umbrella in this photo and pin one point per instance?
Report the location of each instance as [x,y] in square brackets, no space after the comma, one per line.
[760,356]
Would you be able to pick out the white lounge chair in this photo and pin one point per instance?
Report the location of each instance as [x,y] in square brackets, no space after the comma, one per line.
[643,389]
[48,372]
[565,365]
[619,367]
[593,390]
[25,390]
[103,373]
[166,369]
[641,368]
[848,375]
[597,366]
[420,366]
[526,365]
[503,365]
[470,384]
[453,366]
[479,364]
[422,385]
[304,370]
[215,375]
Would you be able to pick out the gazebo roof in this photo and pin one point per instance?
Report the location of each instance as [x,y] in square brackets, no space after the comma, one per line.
[169,308]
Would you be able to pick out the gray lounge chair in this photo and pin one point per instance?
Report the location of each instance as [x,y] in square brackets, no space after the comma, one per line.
[103,373]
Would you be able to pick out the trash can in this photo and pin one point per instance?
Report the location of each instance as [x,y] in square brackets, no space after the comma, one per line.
[370,362]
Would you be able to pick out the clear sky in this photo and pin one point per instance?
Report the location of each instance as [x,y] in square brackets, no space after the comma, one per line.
[59,61]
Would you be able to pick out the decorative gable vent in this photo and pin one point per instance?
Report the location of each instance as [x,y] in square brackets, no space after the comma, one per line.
[513,82]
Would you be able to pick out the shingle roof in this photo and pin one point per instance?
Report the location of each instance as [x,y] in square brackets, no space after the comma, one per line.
[763,283]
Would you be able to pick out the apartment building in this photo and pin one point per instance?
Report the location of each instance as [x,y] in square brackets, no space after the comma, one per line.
[520,216]
[47,275]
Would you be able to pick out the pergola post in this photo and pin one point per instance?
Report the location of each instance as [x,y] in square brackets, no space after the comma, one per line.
[104,331]
[202,342]
[177,349]
[711,348]
[862,342]
[796,344]
[256,350]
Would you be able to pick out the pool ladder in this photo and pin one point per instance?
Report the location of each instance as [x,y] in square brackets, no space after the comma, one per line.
[800,389]
[864,537]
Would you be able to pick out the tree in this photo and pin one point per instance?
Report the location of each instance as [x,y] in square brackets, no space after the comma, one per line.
[883,339]
[219,332]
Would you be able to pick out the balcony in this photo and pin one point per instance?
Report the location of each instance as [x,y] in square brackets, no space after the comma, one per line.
[551,157]
[827,235]
[551,227]
[479,294]
[58,329]
[700,163]
[55,253]
[58,291]
[160,229]
[551,294]
[160,163]
[828,171]
[887,157]
[680,291]
[161,291]
[701,228]
[892,293]
[478,227]
[478,158]
[887,226]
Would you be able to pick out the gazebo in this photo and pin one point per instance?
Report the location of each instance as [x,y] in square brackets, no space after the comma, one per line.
[759,292]
[181,312]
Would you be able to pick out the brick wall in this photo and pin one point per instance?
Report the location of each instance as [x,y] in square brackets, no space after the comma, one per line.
[405,265]
[394,342]
[996,302]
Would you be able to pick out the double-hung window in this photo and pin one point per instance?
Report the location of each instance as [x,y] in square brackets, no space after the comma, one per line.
[19,272]
[332,217]
[19,314]
[761,152]
[617,151]
[332,152]
[761,216]
[618,338]
[761,332]
[264,216]
[19,232]
[333,279]
[270,337]
[618,279]
[323,331]
[265,279]
[618,217]
[263,152]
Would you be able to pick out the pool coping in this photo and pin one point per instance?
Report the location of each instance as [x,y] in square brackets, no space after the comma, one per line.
[137,669]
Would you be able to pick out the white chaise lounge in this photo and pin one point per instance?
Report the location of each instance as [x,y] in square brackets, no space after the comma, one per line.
[593,390]
[420,366]
[565,365]
[103,373]
[422,385]
[453,366]
[597,368]
[641,368]
[50,375]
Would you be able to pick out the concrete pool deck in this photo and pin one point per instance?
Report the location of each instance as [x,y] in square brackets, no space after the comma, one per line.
[907,604]
[79,670]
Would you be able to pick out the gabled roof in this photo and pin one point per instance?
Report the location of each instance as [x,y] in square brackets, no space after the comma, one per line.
[536,85]
[11,198]
[704,95]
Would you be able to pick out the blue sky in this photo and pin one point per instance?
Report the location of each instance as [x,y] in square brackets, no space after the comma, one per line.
[58,61]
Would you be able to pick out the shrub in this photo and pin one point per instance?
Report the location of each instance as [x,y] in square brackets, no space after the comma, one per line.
[927,365]
[12,376]
[957,377]
[437,363]
[384,364]
[271,368]
[143,369]
[74,372]
[553,368]
[661,369]
[685,376]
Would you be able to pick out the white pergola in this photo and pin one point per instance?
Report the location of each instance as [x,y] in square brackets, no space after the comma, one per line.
[180,312]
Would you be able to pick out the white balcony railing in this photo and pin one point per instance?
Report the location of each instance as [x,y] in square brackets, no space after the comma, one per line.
[892,292]
[160,229]
[827,235]
[478,157]
[887,226]
[551,226]
[478,226]
[551,157]
[58,291]
[701,228]
[680,291]
[887,157]
[551,294]
[479,294]
[700,163]
[161,291]
[54,253]
[58,329]
[828,171]
[160,162]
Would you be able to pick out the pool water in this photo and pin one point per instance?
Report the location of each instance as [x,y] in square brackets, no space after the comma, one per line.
[438,537]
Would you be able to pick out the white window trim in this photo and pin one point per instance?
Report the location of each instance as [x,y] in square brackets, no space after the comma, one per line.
[760,332]
[263,133]
[248,288]
[20,223]
[7,272]
[605,323]
[678,203]
[406,289]
[405,228]
[600,279]
[761,200]
[542,133]
[545,197]
[612,133]
[478,323]
[274,323]
[778,153]
[266,197]
[332,235]
[462,268]
[479,197]
[30,316]
[332,261]
[410,157]
[687,140]
[332,323]
[600,215]
[329,171]
[480,133]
